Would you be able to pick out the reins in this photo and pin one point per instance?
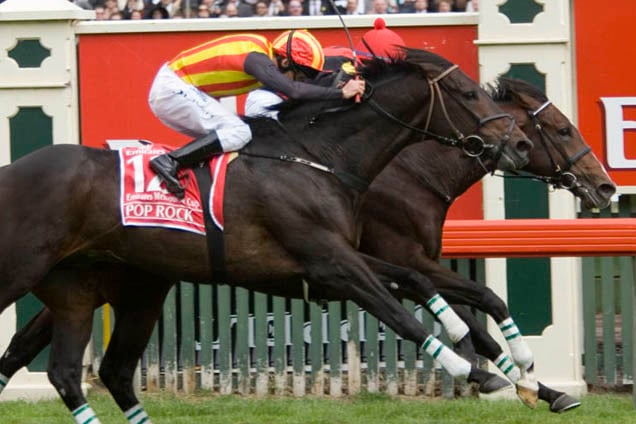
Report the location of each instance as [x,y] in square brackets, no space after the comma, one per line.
[472,145]
[564,178]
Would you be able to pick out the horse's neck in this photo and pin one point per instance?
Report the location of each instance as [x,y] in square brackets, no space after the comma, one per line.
[359,146]
[446,171]
[357,139]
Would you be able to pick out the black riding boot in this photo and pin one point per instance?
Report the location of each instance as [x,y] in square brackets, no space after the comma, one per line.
[196,151]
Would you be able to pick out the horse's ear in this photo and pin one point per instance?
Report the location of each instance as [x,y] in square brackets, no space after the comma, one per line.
[521,92]
[522,99]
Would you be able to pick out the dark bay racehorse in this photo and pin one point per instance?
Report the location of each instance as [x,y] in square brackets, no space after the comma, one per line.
[394,222]
[284,221]
[561,157]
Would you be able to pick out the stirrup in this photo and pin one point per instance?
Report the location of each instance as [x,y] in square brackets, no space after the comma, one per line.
[164,166]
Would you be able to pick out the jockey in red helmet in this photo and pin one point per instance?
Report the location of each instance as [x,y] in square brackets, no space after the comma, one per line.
[184,94]
[380,42]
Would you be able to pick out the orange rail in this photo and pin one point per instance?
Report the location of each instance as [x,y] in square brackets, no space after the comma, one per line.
[539,237]
[544,238]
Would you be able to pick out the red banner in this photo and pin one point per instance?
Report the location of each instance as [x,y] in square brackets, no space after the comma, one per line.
[606,89]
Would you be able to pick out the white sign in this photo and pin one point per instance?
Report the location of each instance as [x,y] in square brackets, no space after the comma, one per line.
[615,127]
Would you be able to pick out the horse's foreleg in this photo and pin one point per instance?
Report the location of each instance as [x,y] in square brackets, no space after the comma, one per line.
[459,290]
[25,345]
[347,272]
[422,288]
[519,349]
[559,401]
[486,346]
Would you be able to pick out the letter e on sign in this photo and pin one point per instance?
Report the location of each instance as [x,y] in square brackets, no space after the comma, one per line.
[615,126]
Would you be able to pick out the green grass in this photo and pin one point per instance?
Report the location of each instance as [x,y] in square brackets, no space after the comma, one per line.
[363,409]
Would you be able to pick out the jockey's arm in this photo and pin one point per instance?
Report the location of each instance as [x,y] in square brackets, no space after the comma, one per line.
[261,67]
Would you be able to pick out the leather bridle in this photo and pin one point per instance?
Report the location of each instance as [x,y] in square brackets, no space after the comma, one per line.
[563,178]
[473,145]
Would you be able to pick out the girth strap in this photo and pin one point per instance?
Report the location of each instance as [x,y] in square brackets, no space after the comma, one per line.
[214,235]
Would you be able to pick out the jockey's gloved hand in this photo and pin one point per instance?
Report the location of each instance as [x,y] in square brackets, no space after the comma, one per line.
[346,72]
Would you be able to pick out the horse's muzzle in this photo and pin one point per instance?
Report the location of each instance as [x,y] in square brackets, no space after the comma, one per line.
[524,146]
[598,197]
[515,155]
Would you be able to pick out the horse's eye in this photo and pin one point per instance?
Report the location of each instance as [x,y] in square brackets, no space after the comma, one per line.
[470,95]
[564,132]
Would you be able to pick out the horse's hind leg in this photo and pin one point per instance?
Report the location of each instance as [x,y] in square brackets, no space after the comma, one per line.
[136,313]
[70,337]
[72,310]
[25,345]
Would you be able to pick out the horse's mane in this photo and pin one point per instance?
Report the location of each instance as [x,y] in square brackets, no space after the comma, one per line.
[374,71]
[502,89]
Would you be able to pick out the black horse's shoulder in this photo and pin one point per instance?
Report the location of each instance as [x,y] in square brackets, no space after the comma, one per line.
[268,136]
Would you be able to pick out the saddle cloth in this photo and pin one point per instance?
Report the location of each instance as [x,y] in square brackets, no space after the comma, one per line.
[145,203]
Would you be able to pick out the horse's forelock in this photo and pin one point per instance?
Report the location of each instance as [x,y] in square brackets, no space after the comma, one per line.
[502,89]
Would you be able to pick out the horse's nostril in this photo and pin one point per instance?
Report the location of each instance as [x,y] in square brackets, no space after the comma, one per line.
[524,145]
[606,190]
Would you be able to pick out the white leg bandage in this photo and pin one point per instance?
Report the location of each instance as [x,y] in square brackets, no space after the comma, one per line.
[456,366]
[85,415]
[137,415]
[519,349]
[505,364]
[455,327]
[3,382]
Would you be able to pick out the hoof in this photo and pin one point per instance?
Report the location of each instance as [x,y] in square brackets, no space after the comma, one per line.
[528,396]
[564,403]
[493,384]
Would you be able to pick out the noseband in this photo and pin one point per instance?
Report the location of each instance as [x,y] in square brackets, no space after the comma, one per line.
[563,178]
[472,145]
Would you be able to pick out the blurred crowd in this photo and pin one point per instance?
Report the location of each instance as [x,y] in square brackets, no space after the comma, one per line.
[174,9]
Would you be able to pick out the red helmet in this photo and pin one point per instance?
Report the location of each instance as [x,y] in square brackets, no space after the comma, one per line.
[305,50]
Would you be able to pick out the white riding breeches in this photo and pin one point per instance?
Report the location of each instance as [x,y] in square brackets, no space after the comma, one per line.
[258,102]
[188,110]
